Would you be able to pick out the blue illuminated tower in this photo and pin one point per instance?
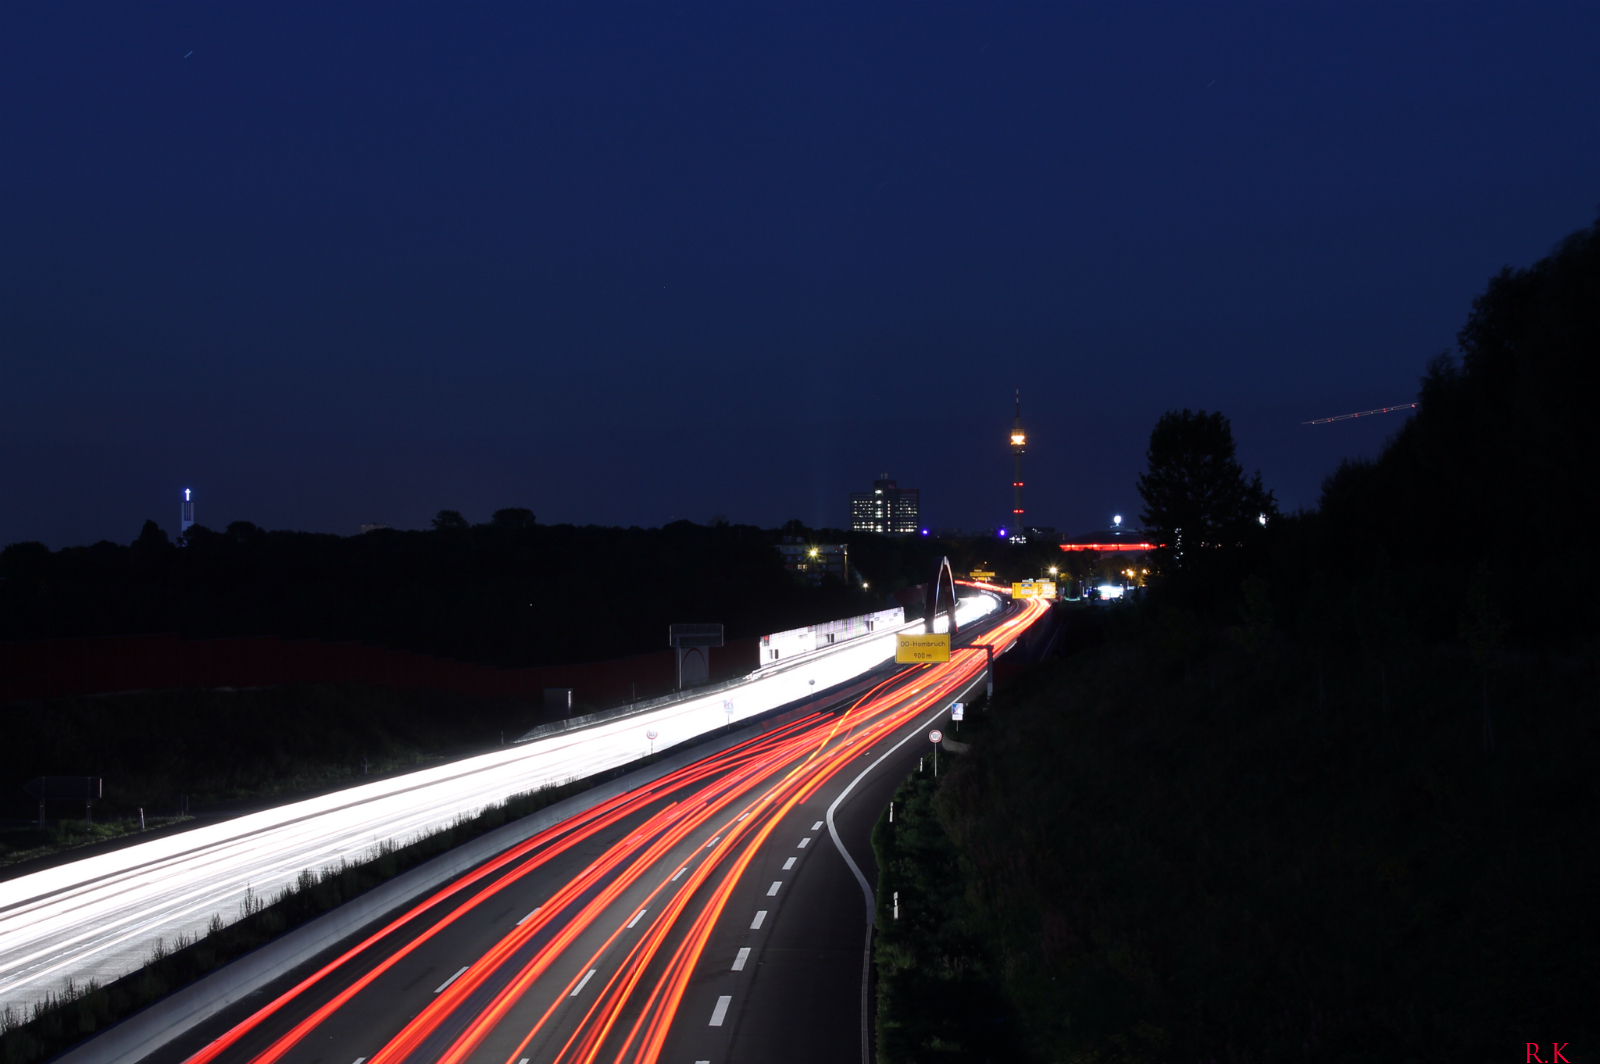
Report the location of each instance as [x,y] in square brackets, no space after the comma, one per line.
[187,518]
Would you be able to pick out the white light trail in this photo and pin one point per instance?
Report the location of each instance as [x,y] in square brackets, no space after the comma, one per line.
[101,917]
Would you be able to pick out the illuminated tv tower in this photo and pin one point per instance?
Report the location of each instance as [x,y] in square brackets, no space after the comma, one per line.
[1019,443]
[187,517]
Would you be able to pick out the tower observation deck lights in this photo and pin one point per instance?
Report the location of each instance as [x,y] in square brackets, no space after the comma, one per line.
[1019,444]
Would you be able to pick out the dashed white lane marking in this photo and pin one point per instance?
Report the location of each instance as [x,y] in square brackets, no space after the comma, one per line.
[525,919]
[679,872]
[776,883]
[360,1059]
[524,1060]
[743,815]
[448,981]
[755,925]
[713,842]
[789,863]
[582,983]
[804,843]
[817,826]
[721,1010]
[637,917]
[738,962]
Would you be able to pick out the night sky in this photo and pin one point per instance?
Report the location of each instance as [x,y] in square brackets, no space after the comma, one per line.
[334,264]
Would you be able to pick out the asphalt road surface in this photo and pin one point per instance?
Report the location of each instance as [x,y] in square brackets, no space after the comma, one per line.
[101,917]
[710,915]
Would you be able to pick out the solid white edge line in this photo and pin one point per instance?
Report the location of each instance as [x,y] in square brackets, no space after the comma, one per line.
[582,983]
[720,1013]
[744,955]
[866,888]
[444,984]
[637,917]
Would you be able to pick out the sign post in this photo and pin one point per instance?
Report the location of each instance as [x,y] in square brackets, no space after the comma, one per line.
[651,735]
[958,710]
[72,788]
[935,737]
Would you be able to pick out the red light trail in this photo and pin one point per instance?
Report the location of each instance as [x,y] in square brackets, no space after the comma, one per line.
[735,799]
[1361,413]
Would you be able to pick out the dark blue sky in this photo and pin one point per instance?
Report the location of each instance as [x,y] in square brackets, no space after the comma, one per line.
[626,264]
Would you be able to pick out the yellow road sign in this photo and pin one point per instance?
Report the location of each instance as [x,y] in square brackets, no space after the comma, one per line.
[914,648]
[982,576]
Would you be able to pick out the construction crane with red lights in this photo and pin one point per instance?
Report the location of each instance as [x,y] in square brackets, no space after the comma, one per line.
[1361,413]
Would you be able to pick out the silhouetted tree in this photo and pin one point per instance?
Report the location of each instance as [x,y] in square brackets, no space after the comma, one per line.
[151,537]
[510,517]
[1195,494]
[449,519]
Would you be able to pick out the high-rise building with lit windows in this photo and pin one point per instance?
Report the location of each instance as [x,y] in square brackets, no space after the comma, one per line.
[887,508]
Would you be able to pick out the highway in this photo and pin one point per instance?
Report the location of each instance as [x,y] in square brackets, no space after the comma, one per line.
[716,914]
[102,916]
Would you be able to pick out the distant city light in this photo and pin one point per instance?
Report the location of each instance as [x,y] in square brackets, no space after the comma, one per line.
[1117,520]
[1001,533]
[186,495]
[1111,590]
[1263,519]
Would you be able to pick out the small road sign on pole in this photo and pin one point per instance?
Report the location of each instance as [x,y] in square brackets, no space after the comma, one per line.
[651,735]
[916,648]
[935,737]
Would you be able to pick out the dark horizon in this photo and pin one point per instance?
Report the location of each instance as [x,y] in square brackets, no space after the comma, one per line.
[630,264]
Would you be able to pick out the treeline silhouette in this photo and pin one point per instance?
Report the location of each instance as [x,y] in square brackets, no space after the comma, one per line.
[1329,790]
[509,593]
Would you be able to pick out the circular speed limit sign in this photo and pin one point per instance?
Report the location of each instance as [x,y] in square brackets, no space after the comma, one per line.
[651,734]
[935,735]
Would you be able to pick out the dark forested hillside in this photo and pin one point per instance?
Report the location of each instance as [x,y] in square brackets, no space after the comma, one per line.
[503,594]
[1328,793]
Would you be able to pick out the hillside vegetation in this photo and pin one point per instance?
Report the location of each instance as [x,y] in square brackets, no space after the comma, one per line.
[510,593]
[1329,793]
